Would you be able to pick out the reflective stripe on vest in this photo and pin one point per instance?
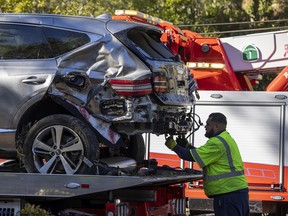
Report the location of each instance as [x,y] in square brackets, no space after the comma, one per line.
[197,157]
[233,173]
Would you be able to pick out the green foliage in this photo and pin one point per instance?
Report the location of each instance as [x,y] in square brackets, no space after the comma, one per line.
[260,9]
[69,7]
[179,12]
[267,78]
[32,210]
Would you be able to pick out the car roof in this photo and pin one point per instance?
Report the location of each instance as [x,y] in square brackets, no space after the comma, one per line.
[80,23]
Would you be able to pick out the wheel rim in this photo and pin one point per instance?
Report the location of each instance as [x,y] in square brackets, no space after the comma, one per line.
[58,149]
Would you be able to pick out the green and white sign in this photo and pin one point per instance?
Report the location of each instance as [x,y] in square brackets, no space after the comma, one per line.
[250,53]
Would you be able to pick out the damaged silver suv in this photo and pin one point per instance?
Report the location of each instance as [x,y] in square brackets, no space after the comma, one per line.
[75,90]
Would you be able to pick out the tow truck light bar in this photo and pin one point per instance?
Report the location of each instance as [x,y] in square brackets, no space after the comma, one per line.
[205,65]
[147,17]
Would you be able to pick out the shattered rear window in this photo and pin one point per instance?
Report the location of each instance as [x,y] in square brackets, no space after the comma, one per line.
[148,43]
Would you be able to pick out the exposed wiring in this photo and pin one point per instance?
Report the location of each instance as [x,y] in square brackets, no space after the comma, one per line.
[198,124]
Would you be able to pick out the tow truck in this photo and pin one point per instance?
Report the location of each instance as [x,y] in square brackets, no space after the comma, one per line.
[226,70]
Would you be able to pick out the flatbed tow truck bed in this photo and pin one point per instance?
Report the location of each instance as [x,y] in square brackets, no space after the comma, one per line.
[157,191]
[64,186]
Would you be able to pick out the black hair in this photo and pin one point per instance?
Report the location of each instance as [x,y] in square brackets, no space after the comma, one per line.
[218,117]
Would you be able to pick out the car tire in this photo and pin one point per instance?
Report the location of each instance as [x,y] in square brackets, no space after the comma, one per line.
[60,144]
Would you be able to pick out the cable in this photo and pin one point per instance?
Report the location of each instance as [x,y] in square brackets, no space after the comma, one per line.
[245,30]
[197,123]
[239,23]
[232,23]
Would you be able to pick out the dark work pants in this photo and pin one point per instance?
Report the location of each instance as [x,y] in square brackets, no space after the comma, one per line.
[232,204]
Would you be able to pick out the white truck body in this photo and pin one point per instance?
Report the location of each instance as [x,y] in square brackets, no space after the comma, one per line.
[261,51]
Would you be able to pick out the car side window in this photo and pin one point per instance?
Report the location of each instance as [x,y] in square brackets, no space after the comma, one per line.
[22,42]
[63,41]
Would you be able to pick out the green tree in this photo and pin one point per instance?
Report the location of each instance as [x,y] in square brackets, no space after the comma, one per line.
[179,12]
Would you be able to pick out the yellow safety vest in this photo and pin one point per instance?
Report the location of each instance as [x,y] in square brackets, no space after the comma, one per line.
[222,165]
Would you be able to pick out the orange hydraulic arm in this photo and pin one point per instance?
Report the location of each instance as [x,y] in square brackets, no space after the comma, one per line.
[280,83]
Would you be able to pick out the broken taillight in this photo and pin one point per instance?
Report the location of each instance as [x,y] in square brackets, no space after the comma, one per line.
[160,84]
[132,87]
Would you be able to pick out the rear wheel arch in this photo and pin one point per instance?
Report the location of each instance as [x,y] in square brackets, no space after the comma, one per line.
[49,107]
[32,113]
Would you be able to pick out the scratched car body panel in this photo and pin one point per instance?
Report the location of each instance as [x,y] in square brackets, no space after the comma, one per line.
[115,77]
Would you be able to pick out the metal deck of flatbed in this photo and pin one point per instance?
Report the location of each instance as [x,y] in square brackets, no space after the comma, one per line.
[67,186]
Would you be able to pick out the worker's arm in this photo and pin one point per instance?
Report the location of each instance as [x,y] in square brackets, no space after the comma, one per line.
[182,152]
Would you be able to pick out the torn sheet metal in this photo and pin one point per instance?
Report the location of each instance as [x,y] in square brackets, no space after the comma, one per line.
[83,75]
[104,128]
[84,80]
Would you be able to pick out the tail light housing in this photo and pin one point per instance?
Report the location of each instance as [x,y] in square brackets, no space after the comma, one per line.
[160,84]
[131,87]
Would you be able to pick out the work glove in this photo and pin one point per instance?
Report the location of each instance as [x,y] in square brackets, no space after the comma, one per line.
[170,143]
[182,141]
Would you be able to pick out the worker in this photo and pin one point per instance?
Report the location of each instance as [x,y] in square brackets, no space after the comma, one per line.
[223,171]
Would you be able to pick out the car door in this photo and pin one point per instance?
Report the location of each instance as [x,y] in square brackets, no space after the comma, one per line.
[26,71]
